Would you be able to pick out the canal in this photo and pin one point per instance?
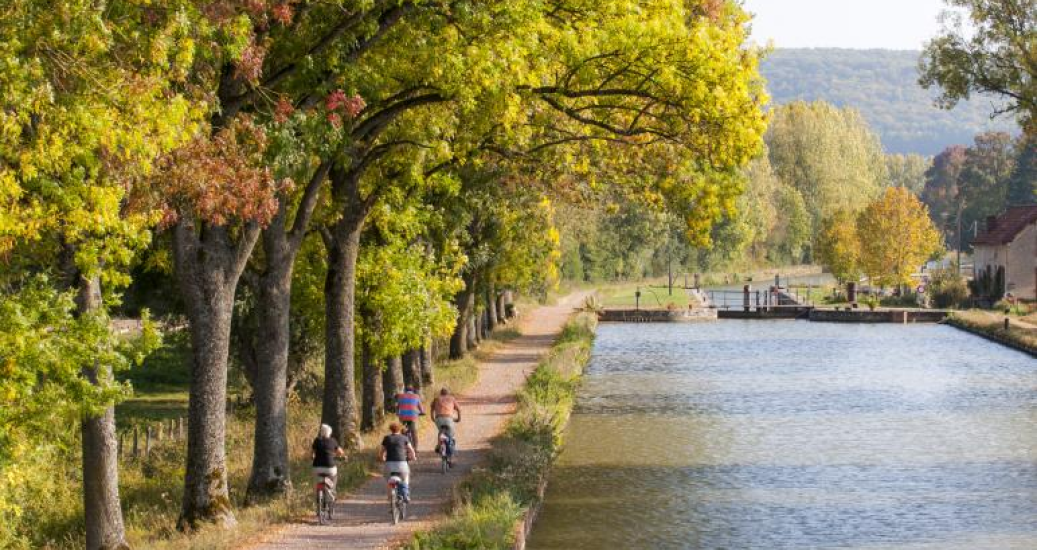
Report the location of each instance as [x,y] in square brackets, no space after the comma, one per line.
[786,434]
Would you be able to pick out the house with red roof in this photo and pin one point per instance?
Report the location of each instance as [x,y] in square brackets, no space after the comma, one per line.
[1005,253]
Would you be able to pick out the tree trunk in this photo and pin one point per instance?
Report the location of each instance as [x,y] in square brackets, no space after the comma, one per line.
[392,382]
[209,262]
[270,466]
[459,339]
[473,328]
[206,496]
[412,370]
[509,312]
[502,317]
[340,406]
[464,302]
[373,392]
[103,514]
[270,380]
[491,307]
[425,355]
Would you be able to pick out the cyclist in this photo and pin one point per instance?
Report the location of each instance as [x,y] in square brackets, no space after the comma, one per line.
[408,409]
[447,412]
[396,451]
[325,450]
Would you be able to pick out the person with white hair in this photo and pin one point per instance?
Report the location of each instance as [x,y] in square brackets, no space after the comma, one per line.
[325,450]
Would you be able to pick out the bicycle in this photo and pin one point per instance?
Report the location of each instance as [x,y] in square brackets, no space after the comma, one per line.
[412,432]
[397,498]
[445,449]
[325,500]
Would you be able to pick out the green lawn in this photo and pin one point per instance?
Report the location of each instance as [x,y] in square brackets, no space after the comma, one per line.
[654,295]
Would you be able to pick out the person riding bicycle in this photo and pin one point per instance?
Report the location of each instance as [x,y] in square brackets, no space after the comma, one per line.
[408,409]
[447,412]
[396,451]
[325,450]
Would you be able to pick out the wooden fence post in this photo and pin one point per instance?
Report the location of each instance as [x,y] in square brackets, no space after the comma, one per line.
[147,440]
[136,442]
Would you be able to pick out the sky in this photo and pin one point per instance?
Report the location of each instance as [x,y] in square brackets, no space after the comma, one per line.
[859,24]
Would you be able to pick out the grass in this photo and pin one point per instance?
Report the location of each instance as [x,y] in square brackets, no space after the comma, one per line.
[493,501]
[992,325]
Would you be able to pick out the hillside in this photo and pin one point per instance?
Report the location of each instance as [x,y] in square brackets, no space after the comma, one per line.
[882,84]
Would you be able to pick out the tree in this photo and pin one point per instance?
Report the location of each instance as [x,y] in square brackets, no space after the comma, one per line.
[942,192]
[218,195]
[82,119]
[1022,186]
[908,171]
[994,52]
[404,294]
[793,233]
[58,358]
[611,82]
[989,165]
[838,246]
[896,237]
[829,155]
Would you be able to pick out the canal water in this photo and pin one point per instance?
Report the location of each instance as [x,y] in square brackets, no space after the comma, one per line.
[790,434]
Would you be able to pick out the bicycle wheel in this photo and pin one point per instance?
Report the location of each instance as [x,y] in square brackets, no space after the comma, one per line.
[443,464]
[329,504]
[403,509]
[394,502]
[322,517]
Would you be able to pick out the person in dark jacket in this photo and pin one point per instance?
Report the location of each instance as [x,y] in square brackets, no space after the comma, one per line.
[325,451]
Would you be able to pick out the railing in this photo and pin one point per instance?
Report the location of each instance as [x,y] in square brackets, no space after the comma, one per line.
[756,300]
[138,442]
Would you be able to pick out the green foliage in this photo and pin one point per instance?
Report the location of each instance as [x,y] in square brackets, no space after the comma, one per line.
[839,247]
[986,47]
[167,368]
[908,171]
[968,184]
[829,155]
[883,86]
[44,349]
[871,300]
[403,290]
[1022,187]
[948,288]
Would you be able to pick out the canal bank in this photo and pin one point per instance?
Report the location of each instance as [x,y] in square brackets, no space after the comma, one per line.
[496,506]
[996,332]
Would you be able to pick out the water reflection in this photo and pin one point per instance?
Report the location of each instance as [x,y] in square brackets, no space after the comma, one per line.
[757,434]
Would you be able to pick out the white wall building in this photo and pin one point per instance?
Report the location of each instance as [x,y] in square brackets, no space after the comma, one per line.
[1009,243]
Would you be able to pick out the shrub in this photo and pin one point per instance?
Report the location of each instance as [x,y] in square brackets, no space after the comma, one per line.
[948,288]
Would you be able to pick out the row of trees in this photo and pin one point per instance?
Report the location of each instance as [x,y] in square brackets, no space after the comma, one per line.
[375,169]
[820,160]
[967,184]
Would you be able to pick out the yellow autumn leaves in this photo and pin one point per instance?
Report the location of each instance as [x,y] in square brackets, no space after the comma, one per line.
[888,241]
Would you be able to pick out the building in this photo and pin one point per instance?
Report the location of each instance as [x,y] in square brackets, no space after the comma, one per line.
[1007,251]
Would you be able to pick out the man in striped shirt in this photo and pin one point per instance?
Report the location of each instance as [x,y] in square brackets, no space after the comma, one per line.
[408,409]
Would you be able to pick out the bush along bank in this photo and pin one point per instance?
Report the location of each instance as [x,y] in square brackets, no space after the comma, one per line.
[493,504]
[1019,339]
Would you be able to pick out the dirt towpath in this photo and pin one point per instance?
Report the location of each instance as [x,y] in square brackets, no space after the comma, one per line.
[362,519]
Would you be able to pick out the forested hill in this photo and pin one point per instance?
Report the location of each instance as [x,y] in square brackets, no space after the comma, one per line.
[883,85]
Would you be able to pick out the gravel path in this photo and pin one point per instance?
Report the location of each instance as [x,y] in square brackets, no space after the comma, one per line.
[362,519]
